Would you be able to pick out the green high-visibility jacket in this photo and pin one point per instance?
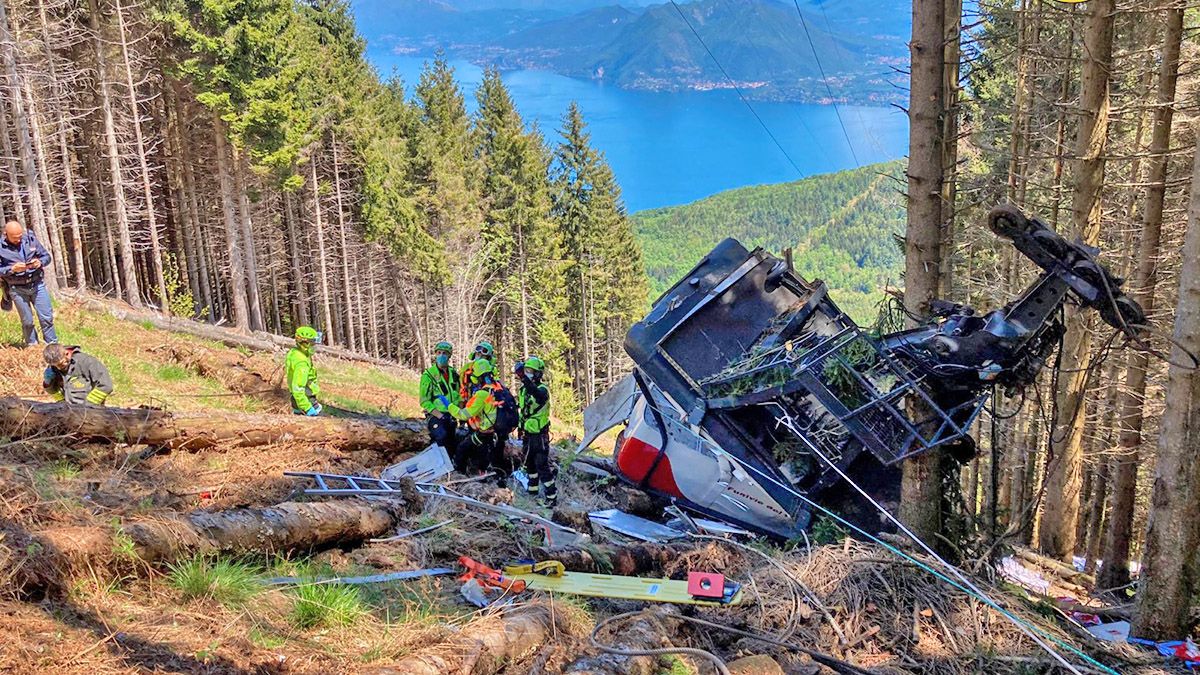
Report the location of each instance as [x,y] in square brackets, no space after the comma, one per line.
[533,401]
[302,379]
[434,384]
[480,412]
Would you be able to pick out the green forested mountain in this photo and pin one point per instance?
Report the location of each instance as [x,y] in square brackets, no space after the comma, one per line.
[840,226]
[761,44]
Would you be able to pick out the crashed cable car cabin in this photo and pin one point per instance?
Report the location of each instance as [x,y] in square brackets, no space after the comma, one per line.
[752,392]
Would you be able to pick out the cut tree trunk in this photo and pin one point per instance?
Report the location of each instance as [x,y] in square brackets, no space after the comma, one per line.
[20,418]
[230,369]
[630,560]
[259,341]
[283,528]
[484,646]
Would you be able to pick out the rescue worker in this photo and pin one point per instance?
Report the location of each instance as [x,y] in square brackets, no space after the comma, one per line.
[74,377]
[477,446]
[533,401]
[302,374]
[483,350]
[439,383]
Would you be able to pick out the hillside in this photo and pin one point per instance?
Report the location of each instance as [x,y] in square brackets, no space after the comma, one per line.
[760,43]
[840,225]
[102,570]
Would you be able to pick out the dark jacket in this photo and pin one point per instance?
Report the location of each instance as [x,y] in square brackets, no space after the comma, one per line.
[27,250]
[86,380]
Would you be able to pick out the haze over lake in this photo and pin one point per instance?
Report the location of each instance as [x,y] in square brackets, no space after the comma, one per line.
[673,148]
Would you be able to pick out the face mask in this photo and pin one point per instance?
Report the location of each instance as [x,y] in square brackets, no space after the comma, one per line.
[442,360]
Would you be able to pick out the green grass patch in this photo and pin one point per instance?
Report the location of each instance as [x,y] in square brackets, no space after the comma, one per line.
[172,372]
[229,582]
[265,639]
[64,469]
[352,404]
[146,324]
[325,605]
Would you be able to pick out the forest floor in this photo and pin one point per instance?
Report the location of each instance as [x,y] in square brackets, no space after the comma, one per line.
[854,601]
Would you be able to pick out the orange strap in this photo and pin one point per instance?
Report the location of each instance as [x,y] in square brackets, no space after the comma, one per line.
[487,576]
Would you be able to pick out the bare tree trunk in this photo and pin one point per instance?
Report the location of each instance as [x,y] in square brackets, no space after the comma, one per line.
[326,313]
[143,163]
[37,210]
[350,338]
[921,486]
[1115,571]
[1057,536]
[249,257]
[237,269]
[130,282]
[299,306]
[14,184]
[1173,531]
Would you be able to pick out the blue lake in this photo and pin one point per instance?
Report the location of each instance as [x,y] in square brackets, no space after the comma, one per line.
[673,148]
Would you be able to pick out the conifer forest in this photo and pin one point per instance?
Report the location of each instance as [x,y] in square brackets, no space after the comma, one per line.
[220,181]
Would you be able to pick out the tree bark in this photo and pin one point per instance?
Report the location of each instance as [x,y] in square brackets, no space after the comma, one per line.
[121,207]
[283,528]
[143,162]
[351,339]
[249,257]
[233,245]
[484,649]
[1057,535]
[37,210]
[921,484]
[1119,536]
[319,227]
[20,418]
[1173,532]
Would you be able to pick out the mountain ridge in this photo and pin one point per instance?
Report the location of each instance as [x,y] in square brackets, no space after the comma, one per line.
[760,44]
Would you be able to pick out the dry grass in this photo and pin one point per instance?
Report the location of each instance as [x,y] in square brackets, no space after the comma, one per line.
[853,600]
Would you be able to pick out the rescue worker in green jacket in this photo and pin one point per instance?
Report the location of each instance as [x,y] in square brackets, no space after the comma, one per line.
[477,447]
[302,374]
[438,391]
[75,378]
[483,350]
[533,402]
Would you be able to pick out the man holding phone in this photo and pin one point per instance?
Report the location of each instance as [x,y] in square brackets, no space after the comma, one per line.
[22,267]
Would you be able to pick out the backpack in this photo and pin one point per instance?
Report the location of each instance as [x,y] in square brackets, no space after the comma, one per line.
[507,416]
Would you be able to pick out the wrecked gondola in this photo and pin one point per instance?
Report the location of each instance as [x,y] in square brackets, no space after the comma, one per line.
[754,397]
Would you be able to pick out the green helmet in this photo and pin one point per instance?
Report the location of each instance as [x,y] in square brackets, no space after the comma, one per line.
[535,363]
[481,367]
[307,334]
[486,350]
[444,346]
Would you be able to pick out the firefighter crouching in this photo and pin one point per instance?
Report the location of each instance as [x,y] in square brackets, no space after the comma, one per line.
[74,377]
[438,391]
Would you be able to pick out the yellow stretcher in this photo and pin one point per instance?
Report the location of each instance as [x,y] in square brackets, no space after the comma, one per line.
[551,577]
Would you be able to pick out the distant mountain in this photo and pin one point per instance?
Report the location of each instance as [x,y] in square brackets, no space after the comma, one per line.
[840,226]
[761,44]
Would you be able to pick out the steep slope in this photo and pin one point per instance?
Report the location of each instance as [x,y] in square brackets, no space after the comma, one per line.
[840,226]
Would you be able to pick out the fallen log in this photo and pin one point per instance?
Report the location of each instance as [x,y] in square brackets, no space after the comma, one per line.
[1057,567]
[261,341]
[229,368]
[482,647]
[283,528]
[631,560]
[20,418]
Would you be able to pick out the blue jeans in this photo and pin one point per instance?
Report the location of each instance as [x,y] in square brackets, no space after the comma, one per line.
[32,298]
